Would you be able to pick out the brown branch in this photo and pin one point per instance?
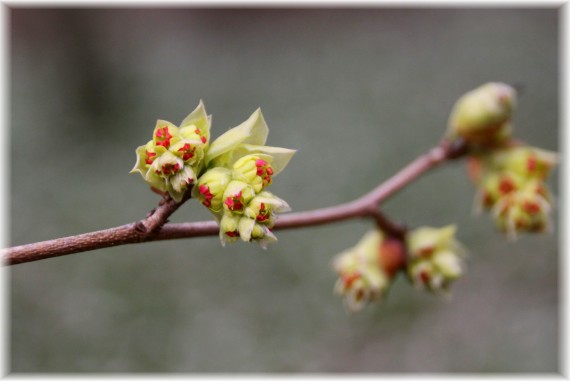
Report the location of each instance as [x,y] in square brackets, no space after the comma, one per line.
[152,228]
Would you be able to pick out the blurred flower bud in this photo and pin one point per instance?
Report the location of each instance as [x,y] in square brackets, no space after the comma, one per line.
[211,186]
[497,185]
[529,162]
[482,115]
[435,257]
[366,270]
[524,211]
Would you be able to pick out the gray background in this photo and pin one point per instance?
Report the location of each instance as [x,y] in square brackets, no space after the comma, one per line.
[359,92]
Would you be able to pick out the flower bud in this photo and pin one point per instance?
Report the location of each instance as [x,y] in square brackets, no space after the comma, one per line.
[365,272]
[254,170]
[190,151]
[524,211]
[237,196]
[211,186]
[435,258]
[229,229]
[497,185]
[530,162]
[181,182]
[482,115]
[263,206]
[146,155]
[165,134]
[250,230]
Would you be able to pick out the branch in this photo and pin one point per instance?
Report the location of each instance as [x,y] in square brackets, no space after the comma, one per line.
[153,227]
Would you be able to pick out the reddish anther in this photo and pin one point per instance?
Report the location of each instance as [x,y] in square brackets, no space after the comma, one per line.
[187,151]
[506,185]
[260,163]
[169,169]
[150,156]
[531,163]
[234,202]
[349,279]
[424,277]
[234,233]
[163,137]
[427,252]
[203,139]
[205,191]
[531,207]
[263,213]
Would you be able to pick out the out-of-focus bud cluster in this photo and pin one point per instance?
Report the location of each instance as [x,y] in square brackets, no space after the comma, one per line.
[366,270]
[431,258]
[228,176]
[435,258]
[483,115]
[511,177]
[512,185]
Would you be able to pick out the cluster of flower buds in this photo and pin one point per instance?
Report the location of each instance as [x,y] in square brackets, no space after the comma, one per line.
[483,115]
[173,159]
[512,185]
[511,177]
[435,258]
[367,270]
[433,261]
[228,176]
[240,167]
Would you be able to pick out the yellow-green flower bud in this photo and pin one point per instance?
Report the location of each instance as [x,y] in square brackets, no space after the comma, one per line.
[165,134]
[250,230]
[482,115]
[211,186]
[255,170]
[529,162]
[190,151]
[365,273]
[435,257]
[229,229]
[524,211]
[497,185]
[237,196]
[263,206]
[146,155]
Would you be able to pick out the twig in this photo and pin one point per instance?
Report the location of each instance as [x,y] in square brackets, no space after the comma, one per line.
[152,228]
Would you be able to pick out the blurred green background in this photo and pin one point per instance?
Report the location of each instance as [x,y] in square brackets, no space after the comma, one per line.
[359,92]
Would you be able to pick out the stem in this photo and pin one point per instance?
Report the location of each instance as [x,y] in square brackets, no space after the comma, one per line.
[153,228]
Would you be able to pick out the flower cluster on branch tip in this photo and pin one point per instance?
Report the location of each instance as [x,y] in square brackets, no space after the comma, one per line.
[230,176]
[510,176]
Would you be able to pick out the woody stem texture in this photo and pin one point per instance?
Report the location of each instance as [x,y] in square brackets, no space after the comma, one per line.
[155,227]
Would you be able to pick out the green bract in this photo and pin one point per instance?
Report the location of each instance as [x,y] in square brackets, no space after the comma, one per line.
[230,174]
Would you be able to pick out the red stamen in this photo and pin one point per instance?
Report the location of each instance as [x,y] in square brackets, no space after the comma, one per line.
[163,137]
[260,163]
[531,163]
[349,279]
[269,171]
[531,207]
[150,156]
[506,185]
[424,277]
[203,139]
[232,233]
